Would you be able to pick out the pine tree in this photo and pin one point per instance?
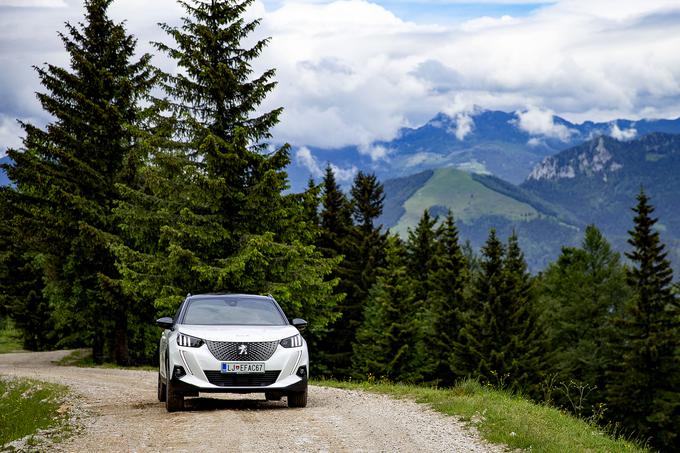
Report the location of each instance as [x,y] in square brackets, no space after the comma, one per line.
[524,353]
[221,221]
[336,220]
[311,201]
[580,295]
[501,342]
[338,239]
[420,251]
[644,389]
[472,351]
[385,346]
[446,302]
[67,174]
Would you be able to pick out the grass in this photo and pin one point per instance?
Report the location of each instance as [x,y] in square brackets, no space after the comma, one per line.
[504,418]
[466,197]
[27,407]
[9,337]
[83,358]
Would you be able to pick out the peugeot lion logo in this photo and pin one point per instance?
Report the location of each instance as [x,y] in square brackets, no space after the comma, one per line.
[243,349]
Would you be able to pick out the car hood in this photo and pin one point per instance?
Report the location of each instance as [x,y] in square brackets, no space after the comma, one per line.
[239,333]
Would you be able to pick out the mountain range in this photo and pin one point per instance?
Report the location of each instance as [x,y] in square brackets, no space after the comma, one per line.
[505,144]
[544,179]
[595,182]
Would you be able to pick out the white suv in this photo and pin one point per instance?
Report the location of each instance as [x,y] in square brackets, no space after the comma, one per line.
[232,343]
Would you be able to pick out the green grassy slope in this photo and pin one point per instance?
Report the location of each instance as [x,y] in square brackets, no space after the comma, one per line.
[469,200]
[27,407]
[504,418]
[9,337]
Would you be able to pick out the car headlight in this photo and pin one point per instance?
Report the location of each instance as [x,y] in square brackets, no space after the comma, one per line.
[188,341]
[292,342]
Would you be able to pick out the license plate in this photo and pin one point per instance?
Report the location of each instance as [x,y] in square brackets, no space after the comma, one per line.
[245,368]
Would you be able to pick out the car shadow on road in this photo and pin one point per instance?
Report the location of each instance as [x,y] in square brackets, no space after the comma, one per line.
[212,404]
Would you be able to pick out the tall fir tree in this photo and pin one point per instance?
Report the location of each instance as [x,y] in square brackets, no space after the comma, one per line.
[446,302]
[336,216]
[337,239]
[222,221]
[501,342]
[580,295]
[385,346]
[369,243]
[472,350]
[525,354]
[66,181]
[420,252]
[644,386]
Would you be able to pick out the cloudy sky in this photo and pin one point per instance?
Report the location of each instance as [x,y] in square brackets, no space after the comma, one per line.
[355,71]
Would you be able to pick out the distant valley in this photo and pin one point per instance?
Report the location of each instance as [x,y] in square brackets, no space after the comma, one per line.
[595,182]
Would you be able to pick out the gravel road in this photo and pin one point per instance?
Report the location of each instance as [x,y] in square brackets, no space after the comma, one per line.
[121,413]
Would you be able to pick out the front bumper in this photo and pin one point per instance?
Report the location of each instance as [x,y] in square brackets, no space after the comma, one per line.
[189,389]
[201,372]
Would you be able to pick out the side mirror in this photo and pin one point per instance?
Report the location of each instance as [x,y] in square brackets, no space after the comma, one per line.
[300,324]
[165,323]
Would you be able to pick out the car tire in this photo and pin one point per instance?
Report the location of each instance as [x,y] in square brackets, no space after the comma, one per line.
[297,399]
[161,389]
[174,401]
[271,396]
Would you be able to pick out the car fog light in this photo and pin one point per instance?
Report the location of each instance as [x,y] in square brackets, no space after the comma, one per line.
[302,371]
[178,372]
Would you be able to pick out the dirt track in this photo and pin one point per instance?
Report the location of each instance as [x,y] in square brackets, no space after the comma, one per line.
[122,413]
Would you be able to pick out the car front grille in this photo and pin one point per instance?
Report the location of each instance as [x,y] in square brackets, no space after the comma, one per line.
[232,351]
[241,380]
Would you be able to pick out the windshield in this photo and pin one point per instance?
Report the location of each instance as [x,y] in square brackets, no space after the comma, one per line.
[234,310]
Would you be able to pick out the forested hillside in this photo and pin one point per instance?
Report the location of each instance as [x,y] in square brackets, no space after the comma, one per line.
[148,185]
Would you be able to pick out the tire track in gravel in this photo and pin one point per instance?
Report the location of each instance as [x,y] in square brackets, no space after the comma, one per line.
[120,413]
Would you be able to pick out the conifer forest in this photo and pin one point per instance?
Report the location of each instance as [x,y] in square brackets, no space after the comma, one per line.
[148,185]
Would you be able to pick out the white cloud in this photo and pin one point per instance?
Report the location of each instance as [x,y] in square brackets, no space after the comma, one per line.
[305,158]
[344,174]
[481,23]
[10,134]
[376,152]
[541,122]
[464,125]
[34,3]
[351,72]
[622,134]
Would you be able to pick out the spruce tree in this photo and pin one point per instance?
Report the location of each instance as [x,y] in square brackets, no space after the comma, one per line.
[446,302]
[472,350]
[385,344]
[221,220]
[580,296]
[525,351]
[501,342]
[420,252]
[67,174]
[368,240]
[338,239]
[336,217]
[644,386]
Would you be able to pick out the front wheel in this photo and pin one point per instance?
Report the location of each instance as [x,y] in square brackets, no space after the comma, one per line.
[161,389]
[174,401]
[297,399]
